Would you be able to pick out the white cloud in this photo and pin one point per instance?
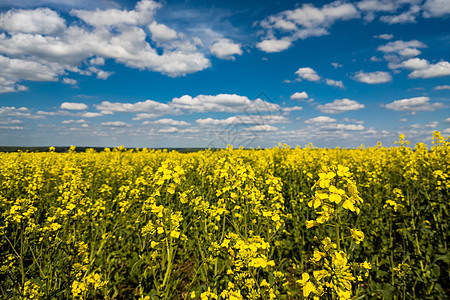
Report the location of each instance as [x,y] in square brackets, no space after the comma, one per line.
[114,124]
[442,87]
[439,69]
[162,33]
[373,77]
[14,70]
[73,121]
[9,122]
[436,8]
[377,5]
[103,74]
[99,61]
[447,120]
[349,127]
[73,106]
[223,103]
[415,63]
[149,106]
[303,22]
[336,83]
[299,96]
[168,130]
[91,115]
[447,131]
[308,74]
[311,75]
[320,120]
[40,20]
[293,108]
[141,15]
[12,111]
[375,59]
[403,48]
[245,119]
[69,81]
[225,49]
[167,122]
[414,104]
[261,128]
[421,126]
[405,17]
[143,116]
[384,36]
[336,65]
[274,45]
[340,106]
[39,46]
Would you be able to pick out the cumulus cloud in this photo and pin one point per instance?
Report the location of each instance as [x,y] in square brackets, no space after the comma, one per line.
[293,108]
[202,103]
[428,125]
[162,33]
[73,106]
[225,49]
[222,103]
[308,74]
[336,83]
[320,120]
[402,48]
[311,75]
[245,119]
[150,106]
[170,122]
[377,5]
[373,77]
[299,96]
[336,65]
[301,23]
[38,45]
[392,11]
[349,127]
[415,63]
[40,20]
[261,128]
[274,45]
[447,120]
[168,130]
[91,115]
[428,70]
[114,124]
[15,69]
[17,112]
[384,36]
[436,8]
[340,106]
[324,123]
[408,16]
[69,81]
[74,121]
[442,87]
[414,104]
[141,15]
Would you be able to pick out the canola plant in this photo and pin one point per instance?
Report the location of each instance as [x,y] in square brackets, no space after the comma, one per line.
[281,223]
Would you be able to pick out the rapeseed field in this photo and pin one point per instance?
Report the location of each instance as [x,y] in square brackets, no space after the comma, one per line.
[281,223]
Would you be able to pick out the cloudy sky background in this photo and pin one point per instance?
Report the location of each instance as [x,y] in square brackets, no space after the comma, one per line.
[209,73]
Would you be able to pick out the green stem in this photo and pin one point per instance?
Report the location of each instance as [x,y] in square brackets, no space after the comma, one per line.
[338,238]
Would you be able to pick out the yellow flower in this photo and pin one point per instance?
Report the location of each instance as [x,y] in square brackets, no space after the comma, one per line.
[357,235]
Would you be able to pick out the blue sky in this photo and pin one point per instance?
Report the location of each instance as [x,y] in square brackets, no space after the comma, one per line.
[210,73]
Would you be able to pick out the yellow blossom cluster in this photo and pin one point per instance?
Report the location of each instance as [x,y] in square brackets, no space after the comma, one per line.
[280,223]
